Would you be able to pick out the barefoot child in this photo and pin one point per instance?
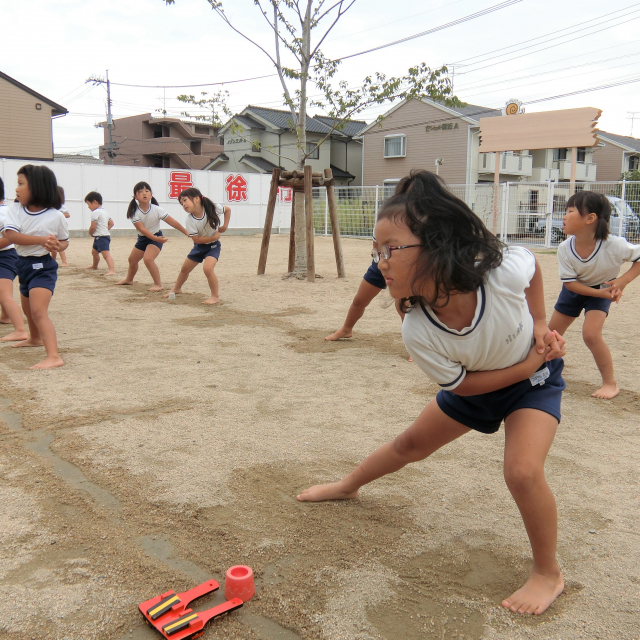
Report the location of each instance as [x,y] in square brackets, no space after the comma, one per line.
[203,225]
[475,324]
[146,215]
[11,313]
[99,228]
[66,214]
[589,261]
[36,226]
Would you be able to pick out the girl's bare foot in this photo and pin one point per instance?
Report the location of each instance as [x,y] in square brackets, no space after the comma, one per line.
[606,391]
[5,321]
[64,264]
[49,363]
[211,300]
[536,595]
[156,287]
[91,267]
[109,273]
[339,334]
[333,491]
[15,336]
[28,343]
[125,282]
[166,295]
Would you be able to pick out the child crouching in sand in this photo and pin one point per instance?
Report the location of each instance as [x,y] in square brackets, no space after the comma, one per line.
[475,324]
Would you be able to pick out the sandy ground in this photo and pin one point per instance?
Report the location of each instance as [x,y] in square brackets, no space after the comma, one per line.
[172,445]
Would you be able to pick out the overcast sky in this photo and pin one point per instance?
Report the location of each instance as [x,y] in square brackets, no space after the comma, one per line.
[53,47]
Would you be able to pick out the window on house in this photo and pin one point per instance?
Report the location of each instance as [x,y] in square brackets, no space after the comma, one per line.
[634,163]
[559,154]
[313,150]
[256,146]
[395,146]
[582,154]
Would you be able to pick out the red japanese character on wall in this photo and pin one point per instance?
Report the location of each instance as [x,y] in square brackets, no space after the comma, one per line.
[236,188]
[179,181]
[285,194]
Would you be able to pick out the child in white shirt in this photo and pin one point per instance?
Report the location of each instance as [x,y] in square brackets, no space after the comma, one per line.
[99,229]
[146,215]
[66,214]
[589,261]
[475,324]
[203,226]
[36,226]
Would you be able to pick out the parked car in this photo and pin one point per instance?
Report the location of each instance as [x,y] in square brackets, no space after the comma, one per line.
[624,221]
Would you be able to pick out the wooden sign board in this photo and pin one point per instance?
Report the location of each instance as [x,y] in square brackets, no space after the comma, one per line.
[545,130]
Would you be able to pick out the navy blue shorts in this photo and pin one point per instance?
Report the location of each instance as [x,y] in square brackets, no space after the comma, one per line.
[572,304]
[102,243]
[202,251]
[486,412]
[374,277]
[144,242]
[8,264]
[37,272]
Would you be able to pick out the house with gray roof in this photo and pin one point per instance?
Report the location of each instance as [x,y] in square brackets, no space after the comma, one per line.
[258,139]
[616,155]
[424,134]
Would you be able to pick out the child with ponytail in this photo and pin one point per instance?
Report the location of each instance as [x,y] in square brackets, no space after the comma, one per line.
[203,225]
[146,215]
[589,261]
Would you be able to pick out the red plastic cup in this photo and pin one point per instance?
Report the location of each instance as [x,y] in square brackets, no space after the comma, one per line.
[239,583]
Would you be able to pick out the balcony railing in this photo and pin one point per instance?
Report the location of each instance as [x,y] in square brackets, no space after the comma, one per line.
[585,171]
[510,163]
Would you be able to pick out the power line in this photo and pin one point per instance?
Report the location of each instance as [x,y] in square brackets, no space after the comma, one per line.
[187,86]
[472,16]
[460,62]
[557,44]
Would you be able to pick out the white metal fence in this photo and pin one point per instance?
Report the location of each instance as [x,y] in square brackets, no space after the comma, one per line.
[518,212]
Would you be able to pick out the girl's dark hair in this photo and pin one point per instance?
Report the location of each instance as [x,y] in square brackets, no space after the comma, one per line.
[133,205]
[93,196]
[42,185]
[456,249]
[587,202]
[1,190]
[61,192]
[209,208]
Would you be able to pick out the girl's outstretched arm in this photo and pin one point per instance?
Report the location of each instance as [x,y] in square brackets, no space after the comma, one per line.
[206,239]
[618,284]
[176,225]
[584,290]
[14,237]
[477,382]
[534,294]
[143,231]
[227,217]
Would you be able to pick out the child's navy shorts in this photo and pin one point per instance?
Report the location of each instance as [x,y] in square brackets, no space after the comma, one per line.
[8,264]
[374,277]
[144,242]
[202,251]
[572,304]
[486,412]
[37,272]
[102,243]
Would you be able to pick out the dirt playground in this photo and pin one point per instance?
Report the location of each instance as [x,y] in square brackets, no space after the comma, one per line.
[173,442]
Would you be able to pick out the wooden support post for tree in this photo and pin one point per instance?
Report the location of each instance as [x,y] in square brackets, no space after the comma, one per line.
[572,179]
[308,214]
[268,221]
[335,226]
[496,191]
[292,239]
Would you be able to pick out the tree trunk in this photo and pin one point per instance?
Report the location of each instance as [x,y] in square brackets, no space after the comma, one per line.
[300,234]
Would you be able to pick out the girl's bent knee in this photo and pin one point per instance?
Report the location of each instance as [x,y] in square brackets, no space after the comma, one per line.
[405,446]
[523,479]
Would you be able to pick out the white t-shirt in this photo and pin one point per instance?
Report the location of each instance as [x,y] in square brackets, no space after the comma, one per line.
[150,219]
[4,212]
[36,223]
[602,265]
[200,226]
[500,335]
[101,217]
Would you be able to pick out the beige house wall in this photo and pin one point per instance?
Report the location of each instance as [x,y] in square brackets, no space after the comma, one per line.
[608,159]
[423,147]
[25,131]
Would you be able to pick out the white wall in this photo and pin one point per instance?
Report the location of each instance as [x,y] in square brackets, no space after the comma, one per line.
[116,186]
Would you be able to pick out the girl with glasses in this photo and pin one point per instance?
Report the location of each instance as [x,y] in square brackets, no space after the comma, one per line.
[475,324]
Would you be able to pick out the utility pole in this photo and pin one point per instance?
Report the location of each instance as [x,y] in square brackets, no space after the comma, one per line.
[632,115]
[111,145]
